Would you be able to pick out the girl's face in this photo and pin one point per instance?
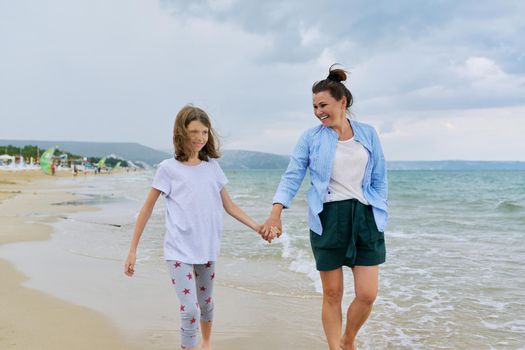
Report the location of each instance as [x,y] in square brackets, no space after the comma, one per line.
[197,135]
[328,110]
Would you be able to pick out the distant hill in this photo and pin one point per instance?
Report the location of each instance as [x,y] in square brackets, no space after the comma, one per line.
[231,159]
[129,151]
[237,159]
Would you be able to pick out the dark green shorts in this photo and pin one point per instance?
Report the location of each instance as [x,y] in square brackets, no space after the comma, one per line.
[350,237]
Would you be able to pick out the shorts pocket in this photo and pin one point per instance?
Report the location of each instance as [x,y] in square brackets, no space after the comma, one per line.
[375,234]
[331,237]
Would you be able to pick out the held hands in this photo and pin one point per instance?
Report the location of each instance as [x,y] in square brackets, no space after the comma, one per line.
[268,234]
[259,229]
[271,229]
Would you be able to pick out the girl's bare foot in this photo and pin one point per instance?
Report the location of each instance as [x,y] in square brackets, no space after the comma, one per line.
[206,346]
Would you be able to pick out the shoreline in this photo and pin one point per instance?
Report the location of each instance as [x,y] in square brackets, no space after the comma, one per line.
[136,313]
[32,319]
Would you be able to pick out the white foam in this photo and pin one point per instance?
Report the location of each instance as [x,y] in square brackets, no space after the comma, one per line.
[301,261]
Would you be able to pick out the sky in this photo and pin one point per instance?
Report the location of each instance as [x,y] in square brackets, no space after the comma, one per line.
[439,80]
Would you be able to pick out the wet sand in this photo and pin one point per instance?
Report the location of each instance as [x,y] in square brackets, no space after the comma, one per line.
[31,319]
[116,312]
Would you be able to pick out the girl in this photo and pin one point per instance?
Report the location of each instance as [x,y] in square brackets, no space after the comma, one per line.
[193,185]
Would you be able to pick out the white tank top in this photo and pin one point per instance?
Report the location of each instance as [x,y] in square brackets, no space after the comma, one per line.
[348,170]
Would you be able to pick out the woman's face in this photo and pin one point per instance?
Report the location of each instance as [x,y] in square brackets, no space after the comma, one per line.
[327,109]
[197,135]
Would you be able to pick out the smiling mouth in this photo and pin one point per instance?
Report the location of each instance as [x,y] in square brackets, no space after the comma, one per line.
[323,117]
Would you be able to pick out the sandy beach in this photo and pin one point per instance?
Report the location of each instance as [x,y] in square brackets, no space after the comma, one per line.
[115,312]
[31,319]
[63,240]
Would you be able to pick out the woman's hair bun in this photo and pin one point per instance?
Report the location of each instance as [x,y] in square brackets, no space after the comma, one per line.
[336,74]
[334,85]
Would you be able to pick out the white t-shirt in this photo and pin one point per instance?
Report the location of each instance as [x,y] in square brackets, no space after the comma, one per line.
[348,170]
[194,211]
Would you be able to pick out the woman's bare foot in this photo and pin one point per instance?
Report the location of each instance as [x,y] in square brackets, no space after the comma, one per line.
[347,346]
[205,346]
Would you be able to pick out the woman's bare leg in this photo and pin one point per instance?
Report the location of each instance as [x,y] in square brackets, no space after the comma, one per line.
[331,314]
[366,280]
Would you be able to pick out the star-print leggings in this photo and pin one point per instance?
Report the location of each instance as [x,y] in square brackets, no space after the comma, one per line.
[194,287]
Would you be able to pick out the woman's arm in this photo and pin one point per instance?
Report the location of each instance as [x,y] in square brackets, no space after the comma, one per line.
[142,220]
[295,172]
[290,183]
[272,227]
[378,179]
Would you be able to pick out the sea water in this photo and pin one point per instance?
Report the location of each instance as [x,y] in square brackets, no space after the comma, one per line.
[454,276]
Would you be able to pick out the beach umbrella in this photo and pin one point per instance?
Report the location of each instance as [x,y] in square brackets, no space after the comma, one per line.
[102,163]
[46,159]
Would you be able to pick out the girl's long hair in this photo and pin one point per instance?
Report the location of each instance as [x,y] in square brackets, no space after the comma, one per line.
[183,150]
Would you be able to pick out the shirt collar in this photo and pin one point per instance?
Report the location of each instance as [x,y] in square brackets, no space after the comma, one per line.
[355,129]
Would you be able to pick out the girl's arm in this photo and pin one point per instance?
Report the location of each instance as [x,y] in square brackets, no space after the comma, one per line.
[233,210]
[142,220]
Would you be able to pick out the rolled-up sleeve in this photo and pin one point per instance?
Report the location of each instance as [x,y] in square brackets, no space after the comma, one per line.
[379,181]
[294,174]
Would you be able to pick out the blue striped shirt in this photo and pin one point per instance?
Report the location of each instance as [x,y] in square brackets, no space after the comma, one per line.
[315,151]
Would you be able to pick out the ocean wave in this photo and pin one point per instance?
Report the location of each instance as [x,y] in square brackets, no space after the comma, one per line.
[397,234]
[509,206]
[268,292]
[514,326]
[245,196]
[301,262]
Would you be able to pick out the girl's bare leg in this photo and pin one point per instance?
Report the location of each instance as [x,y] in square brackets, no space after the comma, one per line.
[206,335]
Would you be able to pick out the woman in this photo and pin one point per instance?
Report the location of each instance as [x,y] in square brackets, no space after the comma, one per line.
[347,204]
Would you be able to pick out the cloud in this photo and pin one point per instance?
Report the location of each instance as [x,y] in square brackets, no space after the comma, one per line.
[476,134]
[120,70]
[482,69]
[401,56]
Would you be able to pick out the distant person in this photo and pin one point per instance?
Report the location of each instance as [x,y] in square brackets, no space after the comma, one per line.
[193,184]
[75,170]
[52,168]
[347,205]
